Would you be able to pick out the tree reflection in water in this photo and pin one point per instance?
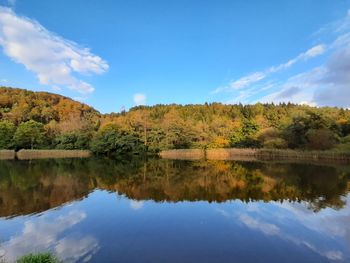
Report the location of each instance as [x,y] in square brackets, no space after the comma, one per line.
[34,186]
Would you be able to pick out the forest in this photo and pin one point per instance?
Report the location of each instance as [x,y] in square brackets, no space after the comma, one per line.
[41,120]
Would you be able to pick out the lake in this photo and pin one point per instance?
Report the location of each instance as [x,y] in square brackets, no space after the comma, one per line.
[103,210]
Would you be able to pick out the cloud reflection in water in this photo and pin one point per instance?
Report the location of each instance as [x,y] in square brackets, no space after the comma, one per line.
[45,234]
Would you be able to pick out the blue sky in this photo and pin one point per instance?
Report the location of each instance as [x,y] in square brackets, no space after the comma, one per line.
[113,54]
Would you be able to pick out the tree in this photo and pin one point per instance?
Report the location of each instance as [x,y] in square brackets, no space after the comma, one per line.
[320,139]
[246,136]
[270,138]
[29,135]
[295,132]
[104,142]
[275,143]
[66,141]
[71,125]
[7,130]
[111,140]
[71,141]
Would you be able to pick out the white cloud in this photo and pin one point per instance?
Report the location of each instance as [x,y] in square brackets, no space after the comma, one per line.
[247,81]
[140,99]
[325,85]
[344,24]
[136,205]
[266,228]
[52,58]
[273,218]
[337,27]
[314,52]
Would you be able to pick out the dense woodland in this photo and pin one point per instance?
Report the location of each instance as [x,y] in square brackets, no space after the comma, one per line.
[40,120]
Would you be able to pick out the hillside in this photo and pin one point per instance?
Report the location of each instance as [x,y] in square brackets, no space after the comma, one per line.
[44,120]
[19,105]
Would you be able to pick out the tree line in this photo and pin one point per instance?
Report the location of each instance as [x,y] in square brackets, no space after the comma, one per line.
[40,120]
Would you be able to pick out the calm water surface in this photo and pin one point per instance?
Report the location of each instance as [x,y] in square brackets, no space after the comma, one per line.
[100,210]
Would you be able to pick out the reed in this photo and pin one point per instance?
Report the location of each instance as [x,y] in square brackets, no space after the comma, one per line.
[7,154]
[44,154]
[256,154]
[304,155]
[186,154]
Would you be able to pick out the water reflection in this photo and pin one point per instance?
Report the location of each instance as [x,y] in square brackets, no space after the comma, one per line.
[45,234]
[324,232]
[30,187]
[100,210]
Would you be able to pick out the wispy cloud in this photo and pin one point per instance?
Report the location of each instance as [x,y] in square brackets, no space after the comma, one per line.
[140,99]
[255,77]
[266,228]
[53,59]
[271,220]
[325,84]
[328,84]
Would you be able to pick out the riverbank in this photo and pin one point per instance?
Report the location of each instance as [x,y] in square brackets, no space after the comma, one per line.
[255,154]
[43,154]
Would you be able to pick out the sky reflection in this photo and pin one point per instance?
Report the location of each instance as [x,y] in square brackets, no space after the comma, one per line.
[179,212]
[50,232]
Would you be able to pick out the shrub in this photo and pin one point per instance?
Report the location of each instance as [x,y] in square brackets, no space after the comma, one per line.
[320,139]
[275,143]
[38,258]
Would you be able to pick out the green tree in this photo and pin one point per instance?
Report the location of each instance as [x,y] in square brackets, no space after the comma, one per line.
[111,140]
[104,142]
[71,141]
[29,135]
[7,130]
[66,141]
[295,133]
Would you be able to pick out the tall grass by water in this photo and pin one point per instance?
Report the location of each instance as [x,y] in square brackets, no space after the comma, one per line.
[44,154]
[188,154]
[7,154]
[256,154]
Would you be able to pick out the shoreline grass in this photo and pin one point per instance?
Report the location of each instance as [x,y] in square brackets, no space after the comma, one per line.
[7,154]
[47,154]
[189,154]
[256,154]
